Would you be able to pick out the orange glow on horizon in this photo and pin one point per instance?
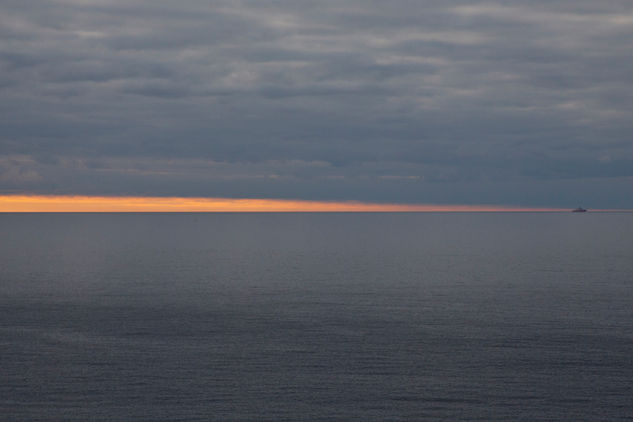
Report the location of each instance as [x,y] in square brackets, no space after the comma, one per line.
[50,203]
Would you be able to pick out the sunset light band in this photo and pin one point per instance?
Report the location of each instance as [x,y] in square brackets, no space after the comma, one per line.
[51,203]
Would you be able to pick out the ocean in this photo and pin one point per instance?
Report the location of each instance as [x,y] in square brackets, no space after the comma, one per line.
[316,317]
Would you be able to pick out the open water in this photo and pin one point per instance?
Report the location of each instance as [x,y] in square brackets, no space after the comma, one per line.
[273,317]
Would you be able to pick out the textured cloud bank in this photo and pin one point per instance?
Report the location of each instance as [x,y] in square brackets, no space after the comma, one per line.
[508,102]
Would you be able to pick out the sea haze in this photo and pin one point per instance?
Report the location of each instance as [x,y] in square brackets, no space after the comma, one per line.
[457,316]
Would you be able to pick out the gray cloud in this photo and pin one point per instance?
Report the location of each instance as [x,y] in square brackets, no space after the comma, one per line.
[436,101]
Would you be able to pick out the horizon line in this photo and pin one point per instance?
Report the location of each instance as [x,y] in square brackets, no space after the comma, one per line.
[85,203]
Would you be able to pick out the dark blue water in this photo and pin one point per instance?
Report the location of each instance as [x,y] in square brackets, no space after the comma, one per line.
[316,317]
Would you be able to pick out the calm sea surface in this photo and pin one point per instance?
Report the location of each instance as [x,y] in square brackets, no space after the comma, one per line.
[492,316]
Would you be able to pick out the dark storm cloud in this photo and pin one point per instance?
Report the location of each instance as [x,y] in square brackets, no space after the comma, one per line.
[414,101]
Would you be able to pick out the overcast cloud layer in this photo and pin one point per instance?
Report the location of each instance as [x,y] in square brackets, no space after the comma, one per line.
[513,102]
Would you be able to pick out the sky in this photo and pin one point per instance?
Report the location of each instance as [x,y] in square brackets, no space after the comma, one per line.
[513,103]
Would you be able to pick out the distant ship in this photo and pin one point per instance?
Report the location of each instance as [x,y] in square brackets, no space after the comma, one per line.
[579,209]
